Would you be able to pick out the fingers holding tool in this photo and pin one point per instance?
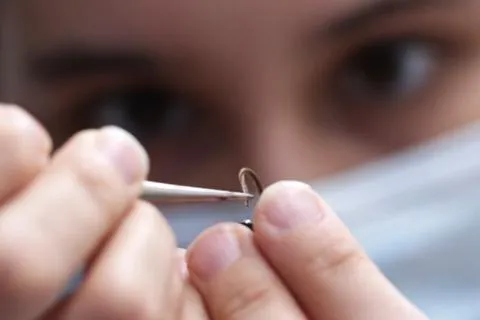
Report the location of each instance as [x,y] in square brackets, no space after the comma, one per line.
[236,282]
[232,275]
[300,262]
[77,209]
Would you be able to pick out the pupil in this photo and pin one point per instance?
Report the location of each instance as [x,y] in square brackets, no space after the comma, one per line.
[142,108]
[144,112]
[380,65]
[387,70]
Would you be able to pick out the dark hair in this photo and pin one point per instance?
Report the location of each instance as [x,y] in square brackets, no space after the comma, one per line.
[6,26]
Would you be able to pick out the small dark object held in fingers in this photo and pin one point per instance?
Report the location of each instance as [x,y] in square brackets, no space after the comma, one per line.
[244,175]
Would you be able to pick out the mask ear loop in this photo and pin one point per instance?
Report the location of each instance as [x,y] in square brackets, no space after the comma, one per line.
[245,175]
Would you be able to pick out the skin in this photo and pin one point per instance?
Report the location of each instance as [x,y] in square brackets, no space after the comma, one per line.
[262,84]
[265,76]
[93,218]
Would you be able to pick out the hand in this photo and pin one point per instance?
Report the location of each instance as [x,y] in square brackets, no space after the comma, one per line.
[299,263]
[80,208]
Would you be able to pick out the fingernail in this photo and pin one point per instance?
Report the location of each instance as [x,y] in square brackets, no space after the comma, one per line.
[289,204]
[213,253]
[124,152]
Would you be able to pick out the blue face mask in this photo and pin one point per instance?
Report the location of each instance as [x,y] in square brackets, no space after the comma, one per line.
[416,213]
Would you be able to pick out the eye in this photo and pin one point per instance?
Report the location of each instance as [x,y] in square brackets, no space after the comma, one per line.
[146,112]
[386,71]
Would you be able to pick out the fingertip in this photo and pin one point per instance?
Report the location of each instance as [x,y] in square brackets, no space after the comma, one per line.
[234,278]
[225,227]
[274,192]
[286,205]
[24,125]
[25,146]
[214,250]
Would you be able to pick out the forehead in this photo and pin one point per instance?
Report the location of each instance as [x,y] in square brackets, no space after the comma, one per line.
[180,22]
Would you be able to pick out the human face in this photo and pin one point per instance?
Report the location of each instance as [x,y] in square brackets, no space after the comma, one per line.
[295,89]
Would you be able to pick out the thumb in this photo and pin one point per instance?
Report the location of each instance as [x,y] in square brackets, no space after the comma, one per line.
[319,260]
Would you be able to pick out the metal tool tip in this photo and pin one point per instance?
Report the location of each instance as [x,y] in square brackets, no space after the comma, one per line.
[240,195]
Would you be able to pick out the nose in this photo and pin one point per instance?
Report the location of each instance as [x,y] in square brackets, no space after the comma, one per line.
[281,142]
[278,146]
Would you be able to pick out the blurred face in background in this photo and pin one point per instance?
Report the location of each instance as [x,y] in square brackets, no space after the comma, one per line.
[294,89]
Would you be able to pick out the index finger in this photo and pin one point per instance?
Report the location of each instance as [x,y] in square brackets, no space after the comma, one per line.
[320,261]
[60,220]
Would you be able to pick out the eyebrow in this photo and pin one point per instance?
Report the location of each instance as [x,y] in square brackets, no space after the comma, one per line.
[379,9]
[72,63]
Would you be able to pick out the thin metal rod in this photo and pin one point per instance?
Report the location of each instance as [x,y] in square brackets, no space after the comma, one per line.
[247,173]
[244,175]
[164,192]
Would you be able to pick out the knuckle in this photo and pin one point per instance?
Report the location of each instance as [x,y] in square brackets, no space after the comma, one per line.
[247,299]
[334,256]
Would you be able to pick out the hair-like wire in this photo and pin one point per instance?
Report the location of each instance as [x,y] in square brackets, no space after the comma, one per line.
[244,175]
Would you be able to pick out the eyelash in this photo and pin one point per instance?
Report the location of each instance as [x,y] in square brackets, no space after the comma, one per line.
[153,103]
[343,53]
[442,48]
